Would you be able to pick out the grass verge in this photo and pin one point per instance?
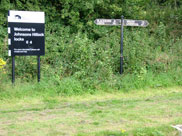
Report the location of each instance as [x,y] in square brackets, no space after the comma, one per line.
[148,112]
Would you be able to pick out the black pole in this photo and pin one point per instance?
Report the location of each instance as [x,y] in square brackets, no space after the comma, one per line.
[13,69]
[121,49]
[38,68]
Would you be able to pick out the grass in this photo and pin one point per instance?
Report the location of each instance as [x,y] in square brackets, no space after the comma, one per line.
[149,112]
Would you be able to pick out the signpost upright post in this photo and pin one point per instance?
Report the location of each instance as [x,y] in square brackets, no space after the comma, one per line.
[121,57]
[122,22]
[13,69]
[38,68]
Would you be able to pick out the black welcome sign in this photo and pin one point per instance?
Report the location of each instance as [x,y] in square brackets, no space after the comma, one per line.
[26,33]
[26,36]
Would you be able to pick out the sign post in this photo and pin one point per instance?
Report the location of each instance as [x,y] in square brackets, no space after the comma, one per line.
[38,68]
[122,22]
[13,69]
[121,57]
[26,36]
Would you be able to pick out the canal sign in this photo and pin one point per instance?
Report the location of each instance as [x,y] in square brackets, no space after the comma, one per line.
[26,33]
[26,36]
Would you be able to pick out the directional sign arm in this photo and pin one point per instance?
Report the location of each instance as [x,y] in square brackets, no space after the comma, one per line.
[127,22]
[141,23]
[108,22]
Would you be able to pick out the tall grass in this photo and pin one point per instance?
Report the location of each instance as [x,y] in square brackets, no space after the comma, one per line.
[53,86]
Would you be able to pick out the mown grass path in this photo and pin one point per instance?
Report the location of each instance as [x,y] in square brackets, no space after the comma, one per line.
[137,113]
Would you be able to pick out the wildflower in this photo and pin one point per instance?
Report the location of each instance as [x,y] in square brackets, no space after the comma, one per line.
[123,131]
[2,63]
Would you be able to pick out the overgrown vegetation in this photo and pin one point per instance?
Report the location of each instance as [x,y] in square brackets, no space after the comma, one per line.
[82,57]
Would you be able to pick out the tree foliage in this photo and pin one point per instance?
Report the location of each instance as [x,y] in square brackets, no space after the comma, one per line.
[75,46]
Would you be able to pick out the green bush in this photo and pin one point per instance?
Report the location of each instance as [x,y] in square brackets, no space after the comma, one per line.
[83,56]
